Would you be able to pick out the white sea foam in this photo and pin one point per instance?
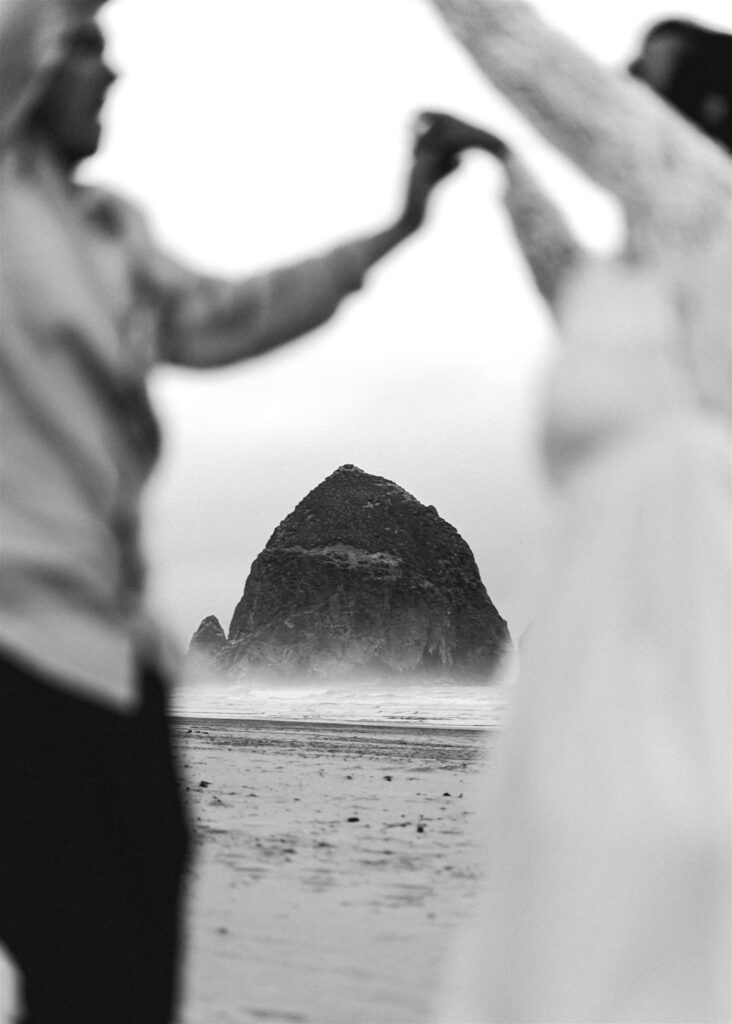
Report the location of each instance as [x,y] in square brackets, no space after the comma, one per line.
[433,704]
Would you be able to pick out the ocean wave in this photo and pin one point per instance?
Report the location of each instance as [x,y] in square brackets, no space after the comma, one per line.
[441,705]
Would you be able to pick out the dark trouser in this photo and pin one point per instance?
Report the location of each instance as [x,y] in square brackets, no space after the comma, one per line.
[93,843]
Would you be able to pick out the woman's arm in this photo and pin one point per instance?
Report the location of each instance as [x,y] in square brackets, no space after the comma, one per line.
[543,234]
[673,183]
[546,240]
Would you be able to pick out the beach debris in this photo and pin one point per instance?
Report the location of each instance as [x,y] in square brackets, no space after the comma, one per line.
[203,784]
[353,818]
[277,1015]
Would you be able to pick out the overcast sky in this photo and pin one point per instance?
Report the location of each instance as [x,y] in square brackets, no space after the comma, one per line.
[257,131]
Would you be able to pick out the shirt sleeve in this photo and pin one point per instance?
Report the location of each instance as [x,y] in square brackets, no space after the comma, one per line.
[211,321]
[207,321]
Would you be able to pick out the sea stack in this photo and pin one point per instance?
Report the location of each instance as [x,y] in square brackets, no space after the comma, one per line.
[207,643]
[361,579]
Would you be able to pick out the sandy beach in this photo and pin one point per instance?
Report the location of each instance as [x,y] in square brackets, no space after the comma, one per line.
[332,863]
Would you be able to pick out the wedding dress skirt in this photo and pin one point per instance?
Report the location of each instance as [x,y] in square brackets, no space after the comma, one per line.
[607,829]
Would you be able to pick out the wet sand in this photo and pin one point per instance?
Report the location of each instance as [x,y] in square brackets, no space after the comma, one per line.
[332,863]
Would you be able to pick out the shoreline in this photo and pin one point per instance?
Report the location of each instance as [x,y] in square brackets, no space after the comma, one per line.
[335,724]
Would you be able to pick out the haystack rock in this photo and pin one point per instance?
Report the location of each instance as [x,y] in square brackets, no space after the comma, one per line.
[362,579]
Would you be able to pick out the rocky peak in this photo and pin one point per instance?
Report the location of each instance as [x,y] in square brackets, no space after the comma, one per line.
[209,638]
[361,578]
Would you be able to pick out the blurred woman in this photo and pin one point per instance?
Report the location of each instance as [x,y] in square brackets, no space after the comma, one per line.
[607,836]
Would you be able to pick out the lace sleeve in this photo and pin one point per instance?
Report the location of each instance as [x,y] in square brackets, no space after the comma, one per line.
[543,234]
[672,182]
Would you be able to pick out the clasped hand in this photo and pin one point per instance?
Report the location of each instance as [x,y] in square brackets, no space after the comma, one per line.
[439,139]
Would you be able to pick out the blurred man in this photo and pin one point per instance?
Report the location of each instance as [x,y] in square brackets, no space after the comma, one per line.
[94,838]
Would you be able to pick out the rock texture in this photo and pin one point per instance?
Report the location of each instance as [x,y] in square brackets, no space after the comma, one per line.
[362,579]
[209,640]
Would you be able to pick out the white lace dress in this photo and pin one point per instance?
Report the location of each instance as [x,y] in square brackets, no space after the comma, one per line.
[607,818]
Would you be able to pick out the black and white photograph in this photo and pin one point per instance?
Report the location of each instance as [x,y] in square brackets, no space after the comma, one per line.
[365,512]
